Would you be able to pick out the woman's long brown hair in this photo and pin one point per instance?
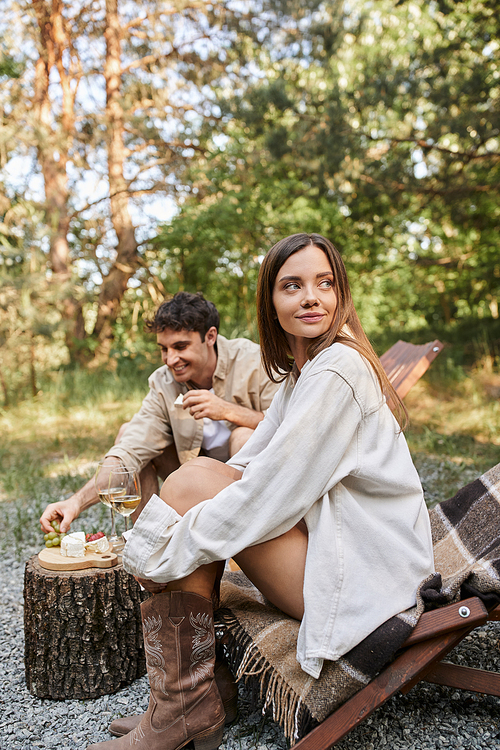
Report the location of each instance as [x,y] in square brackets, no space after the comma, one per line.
[345,329]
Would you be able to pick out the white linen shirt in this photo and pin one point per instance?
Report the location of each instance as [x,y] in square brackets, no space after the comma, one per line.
[329,450]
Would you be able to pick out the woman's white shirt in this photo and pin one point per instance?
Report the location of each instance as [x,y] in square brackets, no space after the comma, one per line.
[329,451]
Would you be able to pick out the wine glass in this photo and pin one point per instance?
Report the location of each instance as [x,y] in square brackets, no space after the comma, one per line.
[125,491]
[105,491]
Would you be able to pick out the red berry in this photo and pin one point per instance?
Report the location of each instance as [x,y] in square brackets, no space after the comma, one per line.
[93,537]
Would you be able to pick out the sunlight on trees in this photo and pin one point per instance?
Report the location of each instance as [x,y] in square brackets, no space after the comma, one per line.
[376,124]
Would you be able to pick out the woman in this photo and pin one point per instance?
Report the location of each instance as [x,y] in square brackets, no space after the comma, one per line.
[322,509]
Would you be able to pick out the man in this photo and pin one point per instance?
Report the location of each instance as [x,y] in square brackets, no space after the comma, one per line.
[207,399]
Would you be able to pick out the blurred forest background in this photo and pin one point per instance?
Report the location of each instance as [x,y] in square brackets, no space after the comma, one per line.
[164,145]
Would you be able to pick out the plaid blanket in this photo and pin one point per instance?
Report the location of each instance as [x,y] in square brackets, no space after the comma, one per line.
[260,641]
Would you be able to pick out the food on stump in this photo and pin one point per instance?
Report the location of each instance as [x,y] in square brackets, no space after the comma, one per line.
[76,543]
[97,542]
[73,545]
[53,538]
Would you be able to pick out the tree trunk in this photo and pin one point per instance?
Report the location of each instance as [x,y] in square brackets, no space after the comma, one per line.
[83,633]
[53,145]
[443,300]
[115,283]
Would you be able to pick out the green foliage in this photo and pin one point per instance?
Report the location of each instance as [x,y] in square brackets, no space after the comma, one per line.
[70,387]
[101,142]
[29,340]
[376,125]
[9,67]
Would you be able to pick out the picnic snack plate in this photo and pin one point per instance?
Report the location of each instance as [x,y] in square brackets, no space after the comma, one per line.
[51,559]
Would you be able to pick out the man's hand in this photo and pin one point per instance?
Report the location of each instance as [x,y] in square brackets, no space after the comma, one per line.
[203,404]
[67,510]
[64,511]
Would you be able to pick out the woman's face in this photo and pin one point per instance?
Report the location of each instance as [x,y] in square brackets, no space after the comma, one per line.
[304,295]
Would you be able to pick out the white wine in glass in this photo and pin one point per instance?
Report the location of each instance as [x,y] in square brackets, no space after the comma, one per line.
[105,492]
[124,491]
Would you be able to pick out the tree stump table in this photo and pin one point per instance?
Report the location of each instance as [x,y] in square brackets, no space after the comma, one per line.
[83,633]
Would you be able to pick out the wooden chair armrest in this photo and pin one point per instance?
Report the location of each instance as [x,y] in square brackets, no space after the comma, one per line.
[405,363]
[494,614]
[448,618]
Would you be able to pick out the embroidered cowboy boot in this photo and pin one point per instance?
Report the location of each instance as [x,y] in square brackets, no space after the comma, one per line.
[184,702]
[227,689]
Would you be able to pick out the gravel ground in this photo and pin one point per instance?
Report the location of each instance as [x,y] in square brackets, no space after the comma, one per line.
[428,717]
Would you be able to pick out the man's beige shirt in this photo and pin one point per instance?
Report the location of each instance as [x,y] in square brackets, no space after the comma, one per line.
[239,378]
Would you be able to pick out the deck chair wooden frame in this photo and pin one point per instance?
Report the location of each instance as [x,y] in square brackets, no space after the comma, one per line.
[420,659]
[405,363]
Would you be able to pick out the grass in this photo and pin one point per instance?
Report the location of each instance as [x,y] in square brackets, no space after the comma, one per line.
[454,433]
[52,443]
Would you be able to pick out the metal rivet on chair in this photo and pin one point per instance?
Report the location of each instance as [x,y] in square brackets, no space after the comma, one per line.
[464,611]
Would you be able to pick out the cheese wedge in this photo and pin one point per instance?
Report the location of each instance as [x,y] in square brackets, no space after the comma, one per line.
[73,545]
[98,545]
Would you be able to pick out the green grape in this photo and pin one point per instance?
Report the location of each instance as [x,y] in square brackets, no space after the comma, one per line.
[52,535]
[56,542]
[55,525]
[45,537]
[49,543]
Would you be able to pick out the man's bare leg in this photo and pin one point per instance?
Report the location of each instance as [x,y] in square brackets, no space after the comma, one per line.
[162,466]
[238,438]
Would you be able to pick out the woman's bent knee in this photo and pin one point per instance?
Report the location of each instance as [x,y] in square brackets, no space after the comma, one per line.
[198,480]
[218,467]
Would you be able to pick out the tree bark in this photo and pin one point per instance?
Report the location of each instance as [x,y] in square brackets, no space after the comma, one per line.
[115,283]
[53,146]
[54,142]
[83,633]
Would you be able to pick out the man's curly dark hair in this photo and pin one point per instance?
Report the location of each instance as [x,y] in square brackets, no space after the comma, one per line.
[185,311]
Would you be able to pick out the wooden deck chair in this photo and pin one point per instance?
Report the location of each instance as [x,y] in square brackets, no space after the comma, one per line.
[260,641]
[435,635]
[405,363]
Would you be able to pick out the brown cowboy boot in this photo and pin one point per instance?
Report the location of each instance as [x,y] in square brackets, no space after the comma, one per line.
[184,703]
[227,689]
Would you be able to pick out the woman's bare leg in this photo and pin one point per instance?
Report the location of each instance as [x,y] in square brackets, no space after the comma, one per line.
[276,567]
[198,480]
